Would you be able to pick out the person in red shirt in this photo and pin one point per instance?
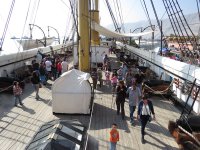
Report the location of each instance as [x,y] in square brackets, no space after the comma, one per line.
[59,68]
[114,137]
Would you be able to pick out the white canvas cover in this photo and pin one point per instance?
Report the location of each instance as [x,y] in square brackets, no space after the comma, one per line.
[71,93]
[108,33]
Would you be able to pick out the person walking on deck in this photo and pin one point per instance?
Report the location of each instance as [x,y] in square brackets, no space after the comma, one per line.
[94,77]
[99,76]
[139,79]
[114,137]
[120,98]
[128,78]
[145,108]
[134,96]
[124,70]
[36,83]
[64,65]
[113,83]
[17,91]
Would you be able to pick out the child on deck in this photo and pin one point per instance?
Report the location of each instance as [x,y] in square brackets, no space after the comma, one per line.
[113,82]
[17,91]
[114,137]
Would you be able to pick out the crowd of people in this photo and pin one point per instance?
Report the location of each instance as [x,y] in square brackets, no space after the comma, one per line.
[126,82]
[187,56]
[45,68]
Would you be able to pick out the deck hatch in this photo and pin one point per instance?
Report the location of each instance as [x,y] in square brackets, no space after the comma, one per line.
[58,135]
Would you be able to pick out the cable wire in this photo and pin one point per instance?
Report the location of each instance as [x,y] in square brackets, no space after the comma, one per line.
[6,25]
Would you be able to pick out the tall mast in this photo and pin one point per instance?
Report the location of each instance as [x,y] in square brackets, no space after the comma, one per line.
[84,36]
[95,17]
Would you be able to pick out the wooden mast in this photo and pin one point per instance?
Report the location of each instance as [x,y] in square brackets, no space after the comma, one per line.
[84,49]
[95,17]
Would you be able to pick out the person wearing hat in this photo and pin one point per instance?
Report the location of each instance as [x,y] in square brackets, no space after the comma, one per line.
[145,109]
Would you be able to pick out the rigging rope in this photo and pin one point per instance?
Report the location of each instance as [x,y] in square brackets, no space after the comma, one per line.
[115,8]
[22,32]
[146,12]
[112,16]
[38,4]
[198,8]
[120,16]
[6,25]
[75,21]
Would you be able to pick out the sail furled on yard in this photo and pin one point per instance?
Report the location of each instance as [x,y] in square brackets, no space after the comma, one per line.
[108,33]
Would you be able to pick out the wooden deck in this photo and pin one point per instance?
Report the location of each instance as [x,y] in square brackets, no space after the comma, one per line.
[19,124]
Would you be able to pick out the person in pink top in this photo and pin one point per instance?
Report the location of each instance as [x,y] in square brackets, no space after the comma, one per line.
[113,82]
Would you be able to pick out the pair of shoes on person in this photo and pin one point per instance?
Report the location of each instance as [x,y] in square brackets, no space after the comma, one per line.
[142,140]
[21,104]
[132,122]
[16,105]
[37,98]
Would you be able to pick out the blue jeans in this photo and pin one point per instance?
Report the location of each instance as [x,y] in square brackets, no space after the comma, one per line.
[113,145]
[132,109]
[19,98]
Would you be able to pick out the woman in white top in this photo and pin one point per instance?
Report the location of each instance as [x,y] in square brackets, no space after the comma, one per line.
[145,109]
[64,65]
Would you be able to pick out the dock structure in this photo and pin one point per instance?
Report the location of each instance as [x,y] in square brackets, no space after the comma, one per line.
[19,124]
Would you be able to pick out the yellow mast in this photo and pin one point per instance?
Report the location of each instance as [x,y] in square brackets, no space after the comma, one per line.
[95,17]
[84,49]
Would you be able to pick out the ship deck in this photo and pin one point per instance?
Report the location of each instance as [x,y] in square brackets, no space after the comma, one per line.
[19,124]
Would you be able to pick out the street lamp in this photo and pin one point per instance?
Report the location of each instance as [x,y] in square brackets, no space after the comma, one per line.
[31,28]
[139,36]
[134,31]
[56,32]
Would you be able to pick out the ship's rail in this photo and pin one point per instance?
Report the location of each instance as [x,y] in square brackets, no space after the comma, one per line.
[169,69]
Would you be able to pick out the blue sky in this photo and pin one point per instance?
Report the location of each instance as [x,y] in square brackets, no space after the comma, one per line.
[56,14]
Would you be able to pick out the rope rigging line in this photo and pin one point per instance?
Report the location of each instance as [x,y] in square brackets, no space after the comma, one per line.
[6,25]
[177,6]
[147,13]
[173,19]
[27,14]
[67,30]
[120,16]
[75,21]
[65,3]
[198,8]
[112,16]
[179,26]
[34,15]
[115,8]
